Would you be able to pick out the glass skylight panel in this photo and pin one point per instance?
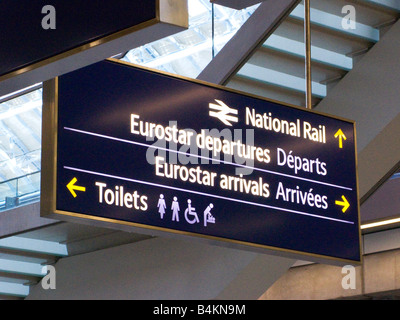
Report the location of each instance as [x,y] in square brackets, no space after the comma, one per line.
[141,55]
[165,46]
[188,52]
[189,38]
[20,146]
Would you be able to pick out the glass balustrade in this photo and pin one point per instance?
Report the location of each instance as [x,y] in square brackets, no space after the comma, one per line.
[19,191]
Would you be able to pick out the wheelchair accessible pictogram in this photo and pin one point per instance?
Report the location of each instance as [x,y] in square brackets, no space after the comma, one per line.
[190,214]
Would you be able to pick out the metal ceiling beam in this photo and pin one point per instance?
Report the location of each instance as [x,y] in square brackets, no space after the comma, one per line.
[280,79]
[22,267]
[248,38]
[319,55]
[14,289]
[34,245]
[389,4]
[333,22]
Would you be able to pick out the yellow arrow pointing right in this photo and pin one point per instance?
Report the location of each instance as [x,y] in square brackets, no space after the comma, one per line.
[345,204]
[72,187]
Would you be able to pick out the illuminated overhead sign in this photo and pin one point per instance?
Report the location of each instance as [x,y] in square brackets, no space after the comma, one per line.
[39,37]
[133,148]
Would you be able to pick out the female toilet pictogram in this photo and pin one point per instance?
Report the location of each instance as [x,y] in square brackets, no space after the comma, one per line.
[161,206]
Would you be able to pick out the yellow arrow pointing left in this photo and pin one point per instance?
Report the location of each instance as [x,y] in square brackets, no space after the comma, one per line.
[72,187]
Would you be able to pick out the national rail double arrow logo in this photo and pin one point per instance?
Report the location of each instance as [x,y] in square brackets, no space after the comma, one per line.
[225,113]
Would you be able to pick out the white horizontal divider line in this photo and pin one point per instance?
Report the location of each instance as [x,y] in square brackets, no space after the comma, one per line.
[204,194]
[206,158]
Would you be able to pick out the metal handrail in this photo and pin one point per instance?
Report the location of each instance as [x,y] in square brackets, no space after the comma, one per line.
[20,177]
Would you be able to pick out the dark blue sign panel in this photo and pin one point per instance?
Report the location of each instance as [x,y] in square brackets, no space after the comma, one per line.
[151,150]
[33,31]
